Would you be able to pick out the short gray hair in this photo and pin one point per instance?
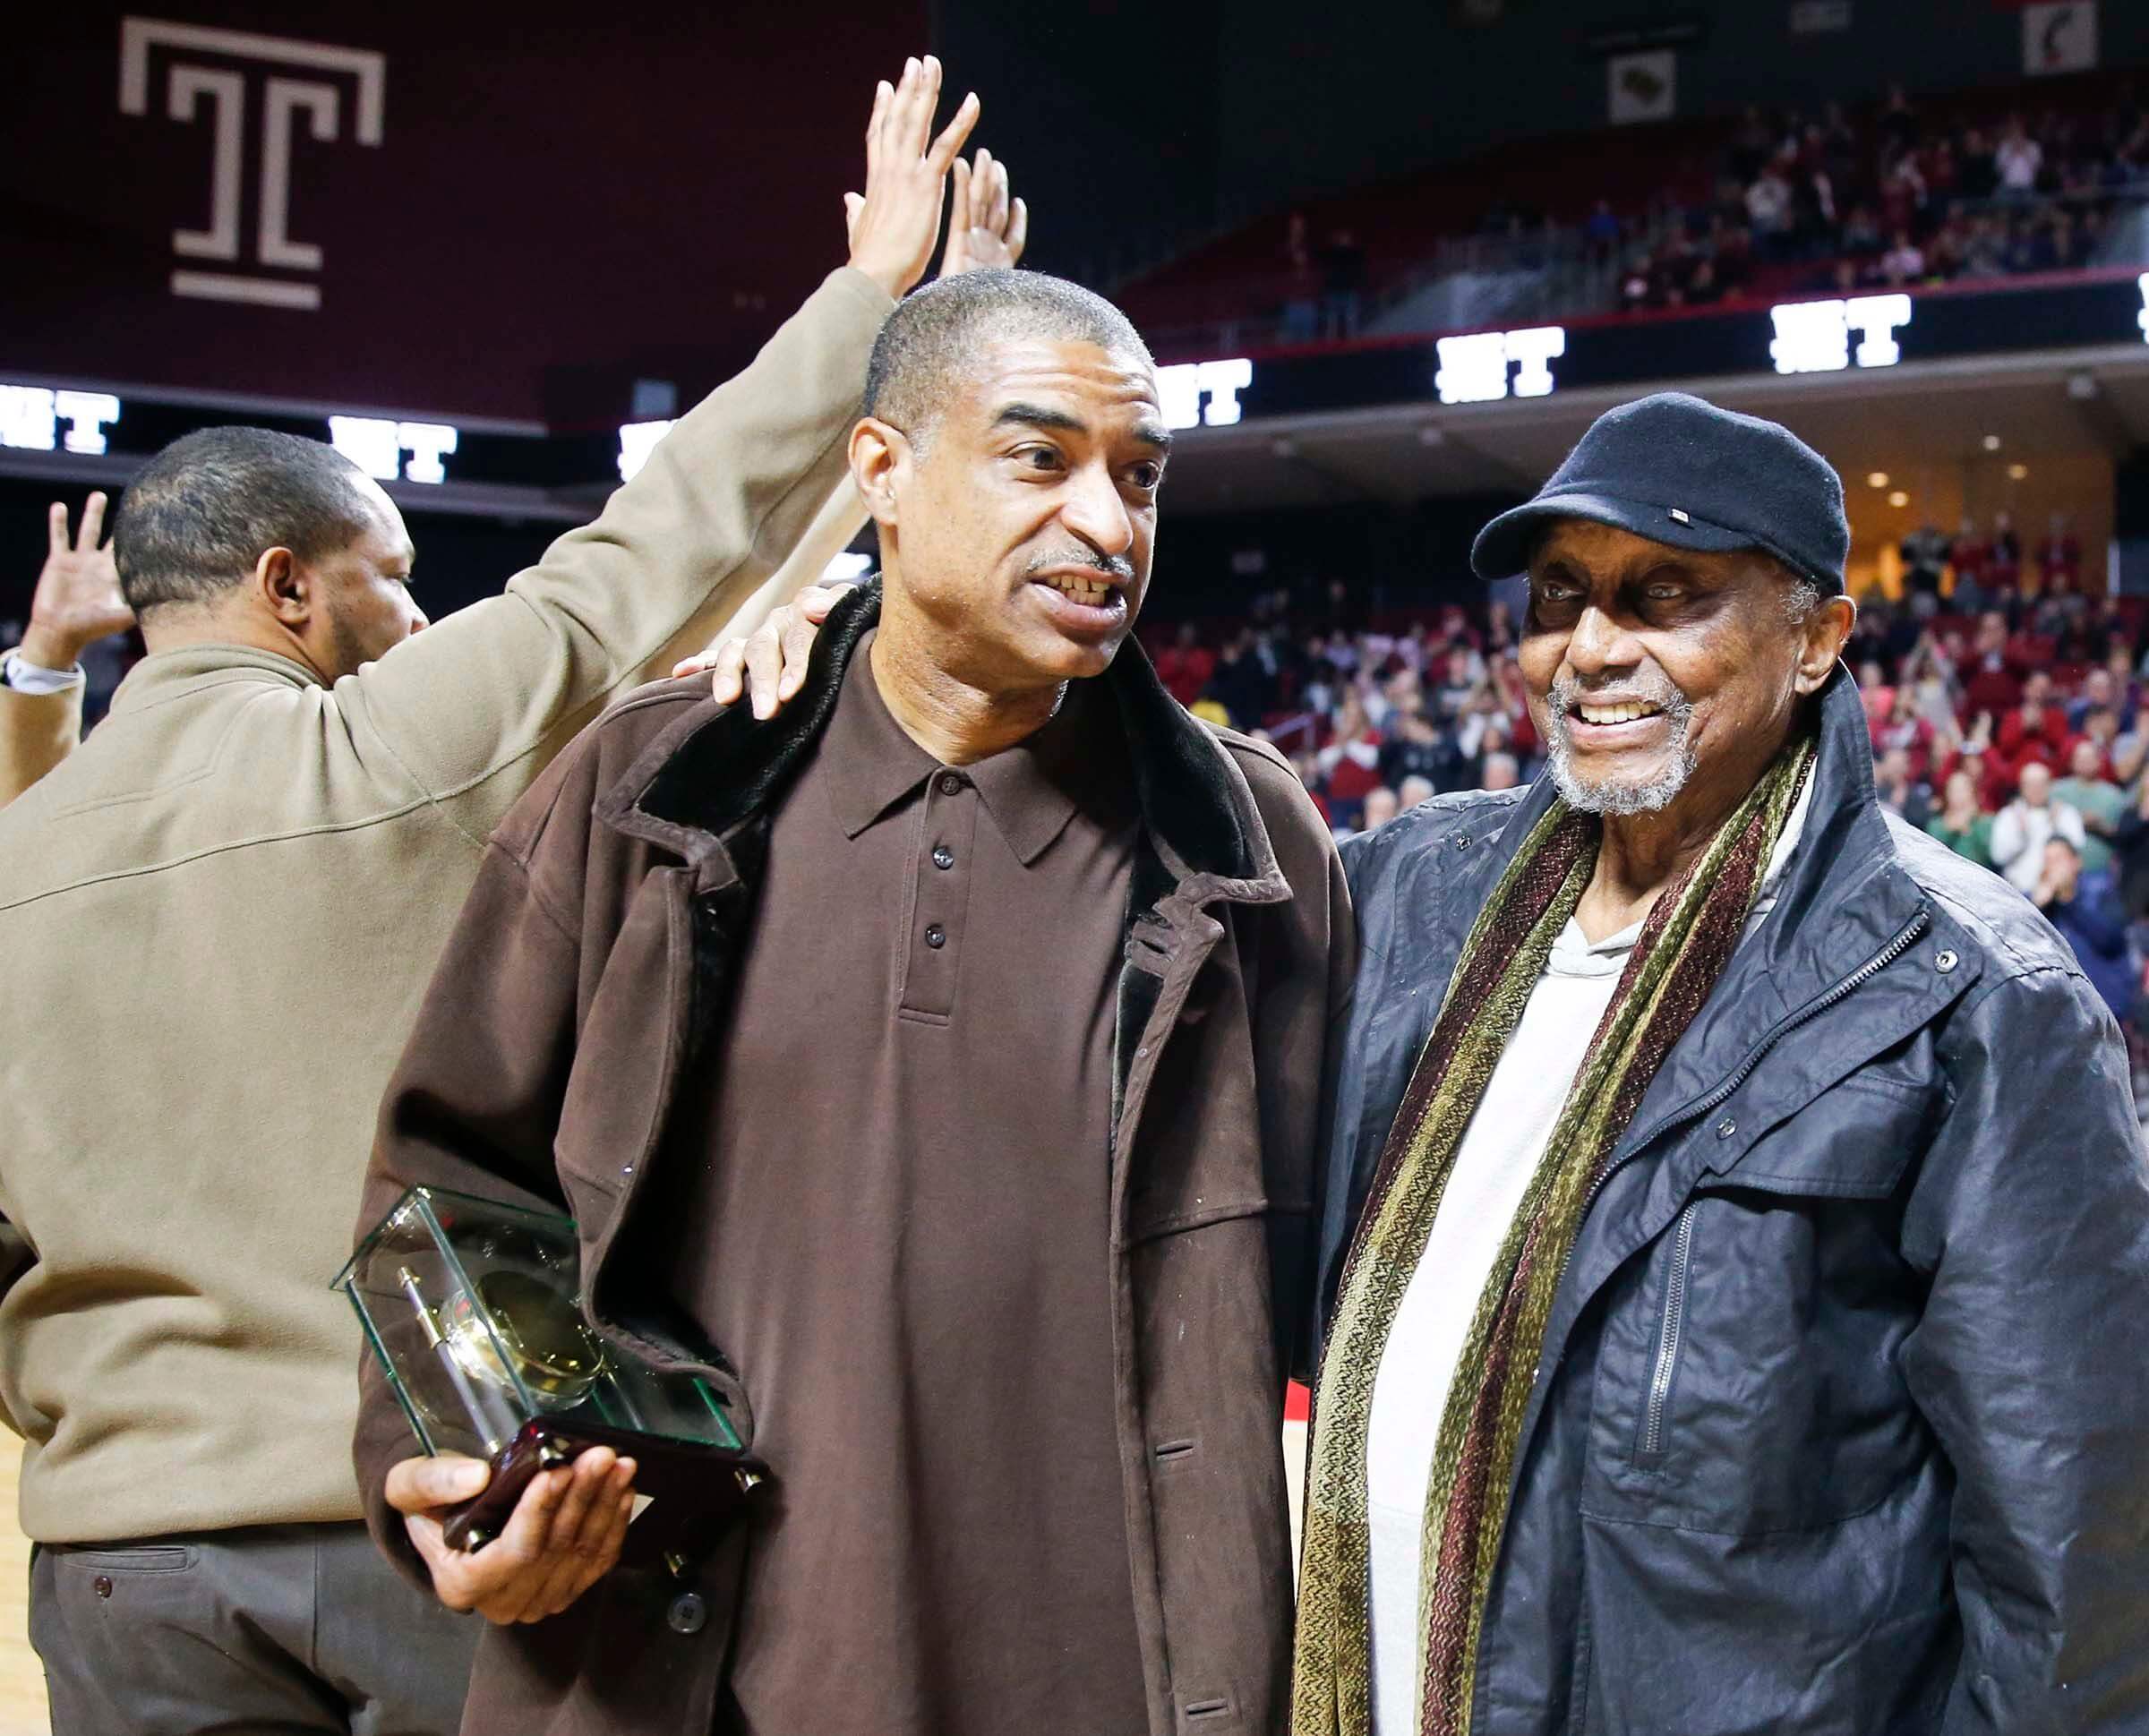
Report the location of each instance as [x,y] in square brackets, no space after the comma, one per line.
[1802,599]
[931,340]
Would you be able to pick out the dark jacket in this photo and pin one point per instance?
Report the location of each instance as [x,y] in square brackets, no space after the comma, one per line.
[1841,1426]
[590,967]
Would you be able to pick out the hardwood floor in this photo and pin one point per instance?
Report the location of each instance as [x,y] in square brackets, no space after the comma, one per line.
[22,1681]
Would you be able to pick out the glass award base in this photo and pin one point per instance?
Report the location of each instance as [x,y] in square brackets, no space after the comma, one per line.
[474,1309]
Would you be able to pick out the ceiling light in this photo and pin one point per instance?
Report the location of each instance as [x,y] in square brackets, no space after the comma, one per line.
[2016,472]
[1899,499]
[1875,479]
[1992,442]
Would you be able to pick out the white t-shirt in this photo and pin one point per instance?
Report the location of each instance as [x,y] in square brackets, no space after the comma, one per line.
[1500,1149]
[2018,161]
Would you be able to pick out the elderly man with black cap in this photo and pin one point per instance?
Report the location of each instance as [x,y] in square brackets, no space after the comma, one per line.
[1728,1189]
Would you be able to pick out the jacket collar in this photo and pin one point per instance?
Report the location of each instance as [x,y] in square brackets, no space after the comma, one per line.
[1842,898]
[716,769]
[166,674]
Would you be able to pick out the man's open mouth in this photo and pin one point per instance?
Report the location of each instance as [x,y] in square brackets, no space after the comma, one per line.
[1096,592]
[1086,589]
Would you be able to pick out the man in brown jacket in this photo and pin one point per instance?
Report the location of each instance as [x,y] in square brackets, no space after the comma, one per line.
[218,915]
[947,1052]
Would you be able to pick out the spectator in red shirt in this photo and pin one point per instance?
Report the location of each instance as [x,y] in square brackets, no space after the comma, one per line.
[2035,730]
[1903,730]
[1514,703]
[1186,665]
[1990,683]
[1350,764]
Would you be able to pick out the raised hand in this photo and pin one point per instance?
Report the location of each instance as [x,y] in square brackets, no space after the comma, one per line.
[986,229]
[77,601]
[896,221]
[565,1533]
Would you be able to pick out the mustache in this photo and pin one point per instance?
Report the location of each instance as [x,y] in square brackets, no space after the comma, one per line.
[1567,693]
[1112,565]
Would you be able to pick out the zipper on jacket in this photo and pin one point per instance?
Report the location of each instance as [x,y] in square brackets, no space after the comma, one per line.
[1669,1333]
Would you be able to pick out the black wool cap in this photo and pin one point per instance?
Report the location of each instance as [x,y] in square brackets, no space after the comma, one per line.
[1676,469]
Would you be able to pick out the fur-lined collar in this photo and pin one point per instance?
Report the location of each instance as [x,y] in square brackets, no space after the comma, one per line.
[718,767]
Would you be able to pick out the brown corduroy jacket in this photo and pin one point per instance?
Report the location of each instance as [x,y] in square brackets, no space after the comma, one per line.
[579,989]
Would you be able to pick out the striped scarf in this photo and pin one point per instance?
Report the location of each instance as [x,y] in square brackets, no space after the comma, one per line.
[1683,945]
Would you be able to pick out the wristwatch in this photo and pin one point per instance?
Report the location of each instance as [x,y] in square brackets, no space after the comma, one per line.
[20,675]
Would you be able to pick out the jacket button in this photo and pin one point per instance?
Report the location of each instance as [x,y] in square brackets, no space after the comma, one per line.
[1726,1128]
[688,1615]
[1463,842]
[1944,961]
[101,1586]
[943,857]
[936,937]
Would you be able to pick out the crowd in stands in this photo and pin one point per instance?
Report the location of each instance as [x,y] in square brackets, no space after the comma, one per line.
[2009,709]
[1905,198]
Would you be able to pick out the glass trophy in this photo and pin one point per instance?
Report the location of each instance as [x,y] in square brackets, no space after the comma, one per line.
[474,1309]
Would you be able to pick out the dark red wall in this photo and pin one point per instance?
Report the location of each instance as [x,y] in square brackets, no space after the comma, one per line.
[564,199]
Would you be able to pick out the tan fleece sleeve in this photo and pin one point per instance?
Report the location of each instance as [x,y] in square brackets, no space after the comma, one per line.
[38,730]
[722,503]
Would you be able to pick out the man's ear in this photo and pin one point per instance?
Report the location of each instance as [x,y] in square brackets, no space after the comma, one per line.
[880,458]
[1828,629]
[284,588]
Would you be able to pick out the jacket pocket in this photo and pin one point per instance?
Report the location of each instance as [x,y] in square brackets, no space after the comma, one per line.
[1854,1142]
[147,1558]
[1847,1630]
[1748,1377]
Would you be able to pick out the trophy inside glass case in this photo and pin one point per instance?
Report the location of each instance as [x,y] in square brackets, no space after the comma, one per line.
[474,1309]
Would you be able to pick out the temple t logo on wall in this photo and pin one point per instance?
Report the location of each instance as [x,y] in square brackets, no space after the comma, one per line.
[222,79]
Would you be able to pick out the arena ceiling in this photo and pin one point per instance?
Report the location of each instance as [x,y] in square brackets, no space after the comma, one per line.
[2079,406]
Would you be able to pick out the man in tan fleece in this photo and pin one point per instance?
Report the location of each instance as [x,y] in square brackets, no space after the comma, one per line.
[218,915]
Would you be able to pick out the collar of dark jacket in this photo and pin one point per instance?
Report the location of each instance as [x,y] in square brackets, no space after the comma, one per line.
[717,769]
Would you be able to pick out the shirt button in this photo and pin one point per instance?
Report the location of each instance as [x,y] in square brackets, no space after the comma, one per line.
[936,937]
[688,1613]
[943,857]
[951,783]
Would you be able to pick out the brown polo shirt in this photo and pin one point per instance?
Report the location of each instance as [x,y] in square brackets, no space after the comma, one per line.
[901,1237]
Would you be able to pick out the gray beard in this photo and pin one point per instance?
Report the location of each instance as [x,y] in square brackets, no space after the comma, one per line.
[1620,800]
